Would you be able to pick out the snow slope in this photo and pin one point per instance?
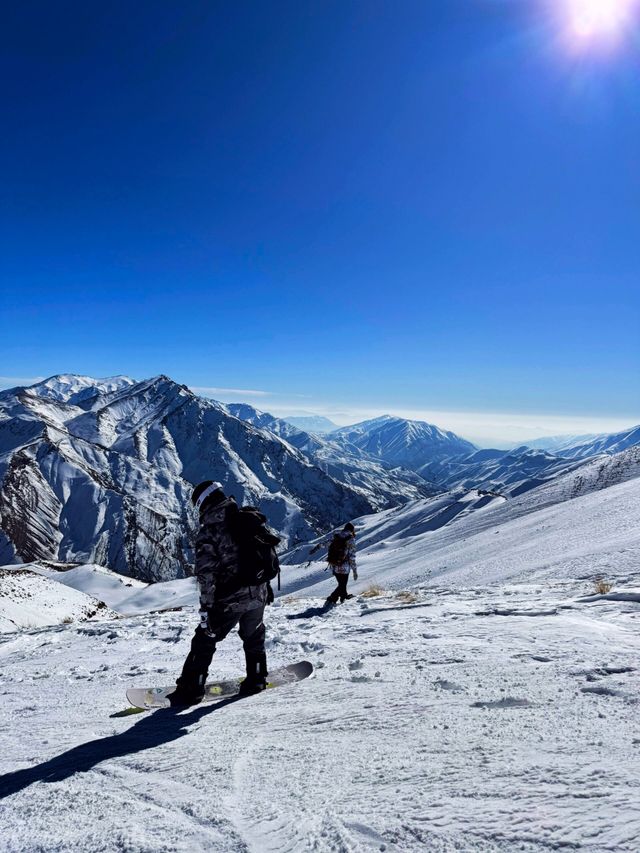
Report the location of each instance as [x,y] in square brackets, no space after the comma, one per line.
[30,600]
[592,513]
[91,579]
[39,594]
[486,701]
[472,719]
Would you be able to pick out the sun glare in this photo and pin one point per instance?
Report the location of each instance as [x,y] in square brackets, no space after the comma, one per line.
[592,19]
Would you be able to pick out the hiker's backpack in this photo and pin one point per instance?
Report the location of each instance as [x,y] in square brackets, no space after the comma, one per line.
[257,558]
[337,554]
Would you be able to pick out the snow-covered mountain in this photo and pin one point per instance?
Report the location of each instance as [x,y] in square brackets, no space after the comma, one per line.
[398,441]
[100,471]
[507,472]
[556,443]
[103,473]
[78,390]
[582,446]
[382,483]
[311,423]
[603,443]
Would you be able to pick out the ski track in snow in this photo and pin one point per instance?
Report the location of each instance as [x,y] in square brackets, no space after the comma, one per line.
[480,719]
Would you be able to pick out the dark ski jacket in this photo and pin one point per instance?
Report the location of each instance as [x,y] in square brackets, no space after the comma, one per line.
[217,563]
[349,563]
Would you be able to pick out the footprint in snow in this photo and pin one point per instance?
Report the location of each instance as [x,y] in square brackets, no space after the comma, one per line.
[537,658]
[603,691]
[603,671]
[443,684]
[507,702]
[502,611]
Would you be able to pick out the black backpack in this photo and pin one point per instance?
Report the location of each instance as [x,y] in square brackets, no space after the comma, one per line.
[337,553]
[257,558]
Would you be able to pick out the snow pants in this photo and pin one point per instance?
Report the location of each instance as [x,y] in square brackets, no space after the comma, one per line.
[340,592]
[203,645]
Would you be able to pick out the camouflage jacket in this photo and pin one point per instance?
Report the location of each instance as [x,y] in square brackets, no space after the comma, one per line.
[217,563]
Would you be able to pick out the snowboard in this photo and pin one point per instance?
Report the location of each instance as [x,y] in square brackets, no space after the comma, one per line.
[156,697]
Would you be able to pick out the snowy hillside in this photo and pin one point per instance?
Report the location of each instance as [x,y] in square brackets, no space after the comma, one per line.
[29,599]
[487,701]
[589,518]
[38,594]
[78,390]
[380,482]
[103,473]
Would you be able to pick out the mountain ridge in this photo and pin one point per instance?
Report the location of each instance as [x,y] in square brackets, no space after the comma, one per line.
[110,481]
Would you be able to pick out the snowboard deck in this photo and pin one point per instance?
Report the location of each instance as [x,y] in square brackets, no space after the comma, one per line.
[146,698]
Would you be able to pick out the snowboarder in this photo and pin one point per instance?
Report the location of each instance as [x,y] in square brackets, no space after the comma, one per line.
[342,559]
[235,559]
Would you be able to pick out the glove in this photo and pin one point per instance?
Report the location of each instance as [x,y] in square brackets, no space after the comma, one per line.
[355,574]
[204,620]
[270,595]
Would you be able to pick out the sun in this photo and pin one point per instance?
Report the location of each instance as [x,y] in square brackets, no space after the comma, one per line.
[594,19]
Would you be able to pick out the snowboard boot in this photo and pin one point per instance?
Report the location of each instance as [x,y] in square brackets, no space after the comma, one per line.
[189,689]
[256,680]
[190,685]
[181,698]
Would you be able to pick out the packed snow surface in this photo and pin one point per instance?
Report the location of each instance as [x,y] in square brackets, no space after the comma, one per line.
[482,698]
[485,718]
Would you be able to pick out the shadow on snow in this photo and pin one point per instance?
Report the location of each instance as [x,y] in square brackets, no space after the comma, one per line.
[162,726]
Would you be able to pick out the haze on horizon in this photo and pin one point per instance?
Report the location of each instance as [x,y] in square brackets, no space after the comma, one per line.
[486,429]
[427,210]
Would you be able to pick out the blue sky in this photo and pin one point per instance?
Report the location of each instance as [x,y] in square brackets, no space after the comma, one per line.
[345,207]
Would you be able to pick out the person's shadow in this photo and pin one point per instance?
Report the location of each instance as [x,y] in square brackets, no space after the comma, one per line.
[310,612]
[162,726]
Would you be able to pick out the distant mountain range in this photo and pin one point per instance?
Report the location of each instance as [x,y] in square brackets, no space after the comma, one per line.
[101,470]
[582,446]
[382,483]
[311,423]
